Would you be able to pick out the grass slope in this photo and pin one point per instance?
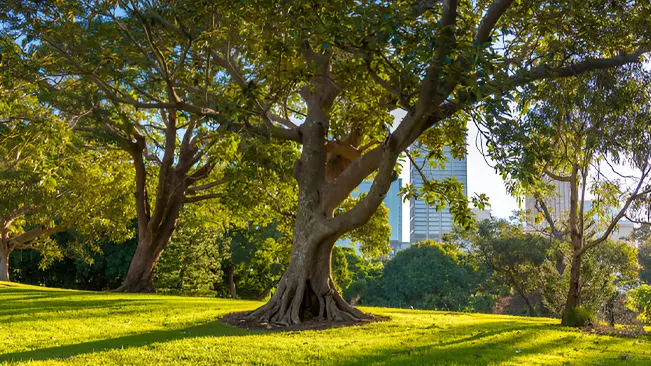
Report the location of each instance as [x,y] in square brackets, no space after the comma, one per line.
[51,327]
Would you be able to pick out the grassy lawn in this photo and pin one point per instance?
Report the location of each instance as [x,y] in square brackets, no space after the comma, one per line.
[50,326]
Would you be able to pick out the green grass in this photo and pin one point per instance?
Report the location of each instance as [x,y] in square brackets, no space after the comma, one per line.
[51,327]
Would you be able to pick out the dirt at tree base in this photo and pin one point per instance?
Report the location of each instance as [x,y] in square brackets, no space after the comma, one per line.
[240,320]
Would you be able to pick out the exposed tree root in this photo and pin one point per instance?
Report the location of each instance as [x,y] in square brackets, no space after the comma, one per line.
[138,287]
[296,301]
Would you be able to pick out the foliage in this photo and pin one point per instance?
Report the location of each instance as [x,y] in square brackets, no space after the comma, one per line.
[100,269]
[372,238]
[639,300]
[364,276]
[51,179]
[259,256]
[191,263]
[431,275]
[603,272]
[579,316]
[89,328]
[642,236]
[516,259]
[340,269]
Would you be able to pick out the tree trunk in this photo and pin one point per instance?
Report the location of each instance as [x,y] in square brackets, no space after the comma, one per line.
[573,295]
[530,307]
[231,281]
[4,263]
[306,290]
[140,275]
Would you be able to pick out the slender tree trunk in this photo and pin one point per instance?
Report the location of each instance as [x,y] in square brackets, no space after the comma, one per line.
[530,307]
[140,275]
[4,262]
[576,237]
[306,290]
[573,295]
[231,281]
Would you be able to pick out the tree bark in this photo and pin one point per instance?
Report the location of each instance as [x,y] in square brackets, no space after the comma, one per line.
[231,281]
[573,295]
[306,291]
[141,271]
[4,262]
[530,307]
[576,237]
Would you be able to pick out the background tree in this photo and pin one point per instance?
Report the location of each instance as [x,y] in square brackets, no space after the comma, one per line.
[190,265]
[639,300]
[577,131]
[365,274]
[340,274]
[100,267]
[515,258]
[642,236]
[50,178]
[604,273]
[430,275]
[123,76]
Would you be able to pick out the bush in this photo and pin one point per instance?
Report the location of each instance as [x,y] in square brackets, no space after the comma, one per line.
[639,300]
[431,275]
[579,317]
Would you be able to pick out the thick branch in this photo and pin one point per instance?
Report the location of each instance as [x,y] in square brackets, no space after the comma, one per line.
[196,189]
[545,71]
[202,197]
[23,239]
[558,177]
[492,16]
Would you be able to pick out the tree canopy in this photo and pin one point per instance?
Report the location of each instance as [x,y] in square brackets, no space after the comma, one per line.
[324,75]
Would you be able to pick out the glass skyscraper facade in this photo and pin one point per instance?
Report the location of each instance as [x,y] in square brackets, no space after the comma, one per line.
[425,221]
[393,201]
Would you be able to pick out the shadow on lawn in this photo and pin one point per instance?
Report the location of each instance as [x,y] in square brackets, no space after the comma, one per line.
[212,329]
[482,347]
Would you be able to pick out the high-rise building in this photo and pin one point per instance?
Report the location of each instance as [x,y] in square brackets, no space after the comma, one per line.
[393,201]
[425,221]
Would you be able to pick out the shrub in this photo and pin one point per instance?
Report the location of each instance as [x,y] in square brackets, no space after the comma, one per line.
[579,317]
[639,300]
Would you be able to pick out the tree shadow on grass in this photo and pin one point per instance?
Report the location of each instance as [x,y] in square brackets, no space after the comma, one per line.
[505,343]
[212,329]
[13,312]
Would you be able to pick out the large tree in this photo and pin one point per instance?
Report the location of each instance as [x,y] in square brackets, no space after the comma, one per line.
[434,60]
[326,75]
[51,180]
[136,84]
[582,132]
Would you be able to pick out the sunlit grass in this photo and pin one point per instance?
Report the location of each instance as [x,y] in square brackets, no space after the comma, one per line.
[50,326]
